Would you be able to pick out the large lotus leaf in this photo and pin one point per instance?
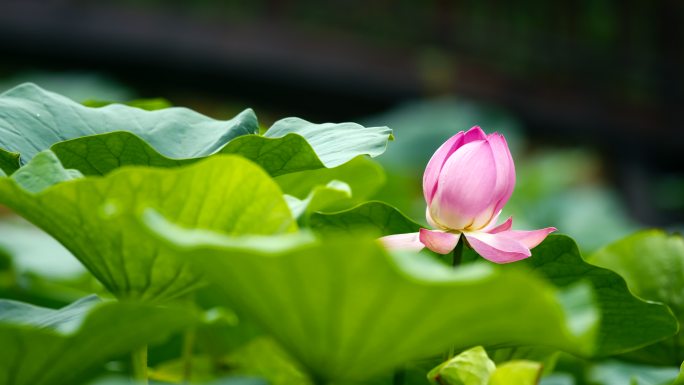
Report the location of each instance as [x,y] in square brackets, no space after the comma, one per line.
[652,263]
[104,153]
[33,119]
[348,310]
[278,154]
[60,347]
[334,143]
[116,380]
[378,216]
[36,253]
[94,218]
[627,322]
[615,372]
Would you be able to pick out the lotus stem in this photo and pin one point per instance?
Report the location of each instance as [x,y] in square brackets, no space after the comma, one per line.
[139,365]
[457,257]
[188,346]
[458,252]
[399,376]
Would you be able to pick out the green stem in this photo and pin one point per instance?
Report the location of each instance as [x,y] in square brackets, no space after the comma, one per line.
[458,252]
[399,376]
[139,365]
[457,258]
[188,345]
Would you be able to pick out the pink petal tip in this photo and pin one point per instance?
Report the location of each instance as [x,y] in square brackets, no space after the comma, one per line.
[439,241]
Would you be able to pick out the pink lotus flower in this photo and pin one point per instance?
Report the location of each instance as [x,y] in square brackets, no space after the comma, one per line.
[466,184]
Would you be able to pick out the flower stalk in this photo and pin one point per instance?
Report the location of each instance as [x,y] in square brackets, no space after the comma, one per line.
[139,365]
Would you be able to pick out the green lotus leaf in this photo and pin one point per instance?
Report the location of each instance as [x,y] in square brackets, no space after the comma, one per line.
[33,119]
[615,372]
[278,155]
[627,322]
[334,143]
[98,140]
[117,380]
[680,378]
[363,175]
[348,310]
[62,347]
[377,216]
[474,367]
[652,263]
[320,198]
[519,372]
[471,367]
[104,153]
[95,218]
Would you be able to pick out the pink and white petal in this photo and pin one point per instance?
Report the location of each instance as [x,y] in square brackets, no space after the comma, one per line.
[465,185]
[483,219]
[505,170]
[491,224]
[408,241]
[502,227]
[431,220]
[497,248]
[434,166]
[529,238]
[439,241]
[475,133]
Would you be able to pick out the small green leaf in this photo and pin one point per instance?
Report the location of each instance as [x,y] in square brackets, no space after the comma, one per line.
[518,372]
[652,263]
[348,310]
[9,161]
[45,171]
[472,367]
[680,378]
[96,218]
[363,175]
[64,320]
[320,198]
[378,216]
[61,347]
[32,120]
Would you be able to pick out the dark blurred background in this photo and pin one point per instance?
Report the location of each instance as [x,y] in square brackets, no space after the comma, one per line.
[589,92]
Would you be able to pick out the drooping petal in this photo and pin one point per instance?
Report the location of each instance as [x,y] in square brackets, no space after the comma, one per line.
[434,166]
[464,187]
[408,241]
[502,227]
[529,238]
[497,248]
[439,241]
